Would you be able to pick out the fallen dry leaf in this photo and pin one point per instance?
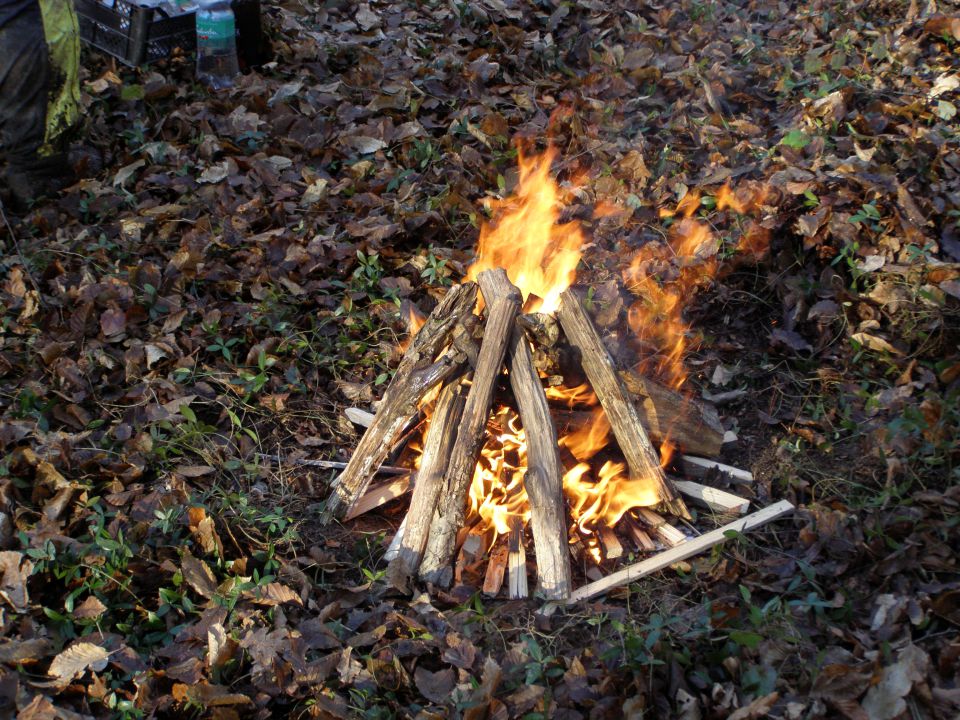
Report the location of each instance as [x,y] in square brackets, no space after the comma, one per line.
[76,660]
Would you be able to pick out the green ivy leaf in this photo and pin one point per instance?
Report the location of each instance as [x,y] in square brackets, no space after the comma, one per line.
[795,139]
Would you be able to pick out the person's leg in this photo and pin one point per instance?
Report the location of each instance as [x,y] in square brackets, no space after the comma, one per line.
[24,79]
[39,96]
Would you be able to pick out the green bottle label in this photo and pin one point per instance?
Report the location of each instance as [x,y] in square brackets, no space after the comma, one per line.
[215,28]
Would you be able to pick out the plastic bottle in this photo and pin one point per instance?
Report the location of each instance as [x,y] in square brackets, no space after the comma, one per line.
[217,63]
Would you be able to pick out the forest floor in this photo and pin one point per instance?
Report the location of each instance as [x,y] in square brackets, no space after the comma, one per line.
[231,279]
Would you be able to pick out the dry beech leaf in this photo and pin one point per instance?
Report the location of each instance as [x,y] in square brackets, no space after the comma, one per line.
[885,700]
[76,660]
[89,609]
[15,569]
[877,344]
[273,594]
[15,652]
[199,576]
[435,686]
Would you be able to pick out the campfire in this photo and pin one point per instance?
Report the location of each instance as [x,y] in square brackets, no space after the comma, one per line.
[504,360]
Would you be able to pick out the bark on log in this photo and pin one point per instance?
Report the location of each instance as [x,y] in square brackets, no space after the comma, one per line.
[624,420]
[436,566]
[437,446]
[544,478]
[415,376]
[691,426]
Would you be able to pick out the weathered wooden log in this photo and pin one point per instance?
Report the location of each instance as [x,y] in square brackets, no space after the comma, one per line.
[624,420]
[680,552]
[544,478]
[436,566]
[437,446]
[417,373]
[690,425]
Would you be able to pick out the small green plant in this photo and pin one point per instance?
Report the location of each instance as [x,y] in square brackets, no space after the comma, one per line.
[436,272]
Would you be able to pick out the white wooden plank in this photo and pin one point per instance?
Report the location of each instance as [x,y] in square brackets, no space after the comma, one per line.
[717,500]
[698,467]
[681,552]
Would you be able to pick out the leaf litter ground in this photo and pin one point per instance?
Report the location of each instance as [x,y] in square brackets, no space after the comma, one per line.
[231,279]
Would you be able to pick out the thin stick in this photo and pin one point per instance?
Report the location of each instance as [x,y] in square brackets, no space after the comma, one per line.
[23,260]
[681,552]
[332,464]
[612,549]
[667,533]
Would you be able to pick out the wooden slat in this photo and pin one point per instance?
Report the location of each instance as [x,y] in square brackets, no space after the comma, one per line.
[517,563]
[717,500]
[698,467]
[380,495]
[681,552]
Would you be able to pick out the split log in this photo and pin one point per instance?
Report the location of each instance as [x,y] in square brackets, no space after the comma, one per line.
[717,500]
[470,554]
[698,467]
[380,495]
[441,545]
[417,374]
[668,534]
[691,426]
[681,552]
[496,568]
[517,562]
[544,478]
[640,537]
[437,446]
[623,417]
[612,549]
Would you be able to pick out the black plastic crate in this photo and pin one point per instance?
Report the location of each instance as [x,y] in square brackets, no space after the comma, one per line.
[136,35]
[133,34]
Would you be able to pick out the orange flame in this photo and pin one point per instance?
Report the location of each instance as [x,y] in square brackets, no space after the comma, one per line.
[539,255]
